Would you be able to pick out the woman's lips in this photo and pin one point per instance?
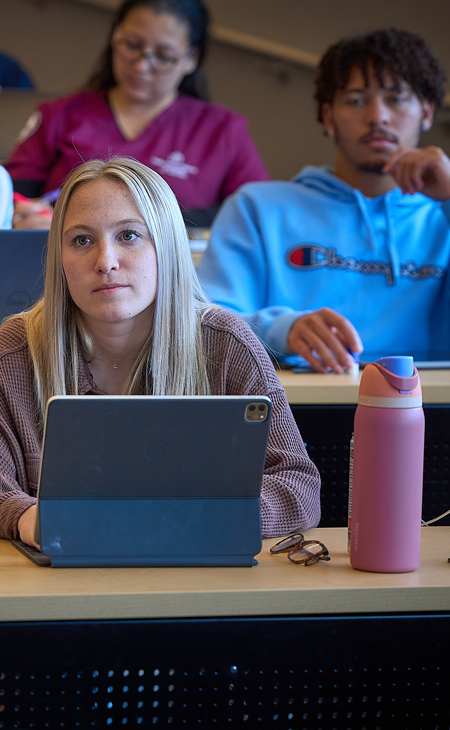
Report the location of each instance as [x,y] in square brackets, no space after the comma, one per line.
[110,288]
[138,82]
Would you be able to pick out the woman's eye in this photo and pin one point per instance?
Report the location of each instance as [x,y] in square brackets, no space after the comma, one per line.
[134,47]
[82,240]
[164,58]
[129,236]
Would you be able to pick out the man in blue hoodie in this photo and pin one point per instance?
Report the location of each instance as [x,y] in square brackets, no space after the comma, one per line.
[335,260]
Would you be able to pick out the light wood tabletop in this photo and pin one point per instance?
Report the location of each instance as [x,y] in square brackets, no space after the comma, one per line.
[309,388]
[273,587]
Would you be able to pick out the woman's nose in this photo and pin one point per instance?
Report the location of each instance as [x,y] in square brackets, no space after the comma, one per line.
[106,257]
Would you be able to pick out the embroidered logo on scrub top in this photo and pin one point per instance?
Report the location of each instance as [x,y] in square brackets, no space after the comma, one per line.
[31,125]
[313,256]
[175,165]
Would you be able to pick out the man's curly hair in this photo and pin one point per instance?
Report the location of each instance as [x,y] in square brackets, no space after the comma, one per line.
[404,55]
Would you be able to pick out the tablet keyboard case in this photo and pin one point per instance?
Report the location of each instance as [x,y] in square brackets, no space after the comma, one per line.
[189,498]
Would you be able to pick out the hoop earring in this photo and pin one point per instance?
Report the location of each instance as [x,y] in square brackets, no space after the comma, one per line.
[329,133]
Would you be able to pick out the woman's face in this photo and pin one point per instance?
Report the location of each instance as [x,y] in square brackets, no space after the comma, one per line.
[108,255]
[164,38]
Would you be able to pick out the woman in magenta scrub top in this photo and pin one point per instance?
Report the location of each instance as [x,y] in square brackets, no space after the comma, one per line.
[146,100]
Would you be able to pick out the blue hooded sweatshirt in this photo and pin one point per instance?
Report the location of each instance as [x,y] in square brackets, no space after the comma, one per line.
[281,249]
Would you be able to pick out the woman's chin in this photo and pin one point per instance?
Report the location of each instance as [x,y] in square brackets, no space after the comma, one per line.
[138,93]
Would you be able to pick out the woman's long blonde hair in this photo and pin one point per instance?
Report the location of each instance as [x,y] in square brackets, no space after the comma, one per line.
[171,361]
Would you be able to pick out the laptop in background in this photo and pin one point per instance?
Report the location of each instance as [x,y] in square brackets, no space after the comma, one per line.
[430,360]
[151,481]
[22,256]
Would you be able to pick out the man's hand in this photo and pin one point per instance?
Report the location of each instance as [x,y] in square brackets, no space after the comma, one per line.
[26,527]
[424,171]
[322,338]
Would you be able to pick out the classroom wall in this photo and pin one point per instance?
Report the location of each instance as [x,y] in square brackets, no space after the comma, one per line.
[59,41]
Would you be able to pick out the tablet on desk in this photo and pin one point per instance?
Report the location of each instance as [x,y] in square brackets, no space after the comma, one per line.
[151,481]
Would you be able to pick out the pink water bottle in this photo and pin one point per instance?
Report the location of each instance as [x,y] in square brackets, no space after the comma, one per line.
[387,475]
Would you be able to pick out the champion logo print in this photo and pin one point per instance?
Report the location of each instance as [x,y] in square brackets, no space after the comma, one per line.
[312,256]
[308,256]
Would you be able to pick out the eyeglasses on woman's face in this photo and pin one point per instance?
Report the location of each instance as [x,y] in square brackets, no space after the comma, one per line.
[301,551]
[159,60]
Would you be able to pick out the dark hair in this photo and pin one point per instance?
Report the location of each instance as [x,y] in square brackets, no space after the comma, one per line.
[191,12]
[404,55]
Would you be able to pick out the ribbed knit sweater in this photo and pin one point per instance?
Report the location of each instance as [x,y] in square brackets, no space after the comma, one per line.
[237,364]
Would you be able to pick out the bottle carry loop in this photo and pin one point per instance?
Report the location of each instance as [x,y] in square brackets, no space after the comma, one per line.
[404,385]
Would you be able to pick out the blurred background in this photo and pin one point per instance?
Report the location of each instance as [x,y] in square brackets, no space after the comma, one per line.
[261,61]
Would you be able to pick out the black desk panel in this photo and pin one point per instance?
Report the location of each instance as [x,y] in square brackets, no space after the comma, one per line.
[357,672]
[327,430]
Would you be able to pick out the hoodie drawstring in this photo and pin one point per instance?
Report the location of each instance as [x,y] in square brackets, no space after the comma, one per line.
[362,206]
[391,243]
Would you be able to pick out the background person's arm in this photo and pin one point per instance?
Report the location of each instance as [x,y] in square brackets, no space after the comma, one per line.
[235,273]
[31,214]
[6,200]
[29,163]
[34,152]
[323,338]
[425,171]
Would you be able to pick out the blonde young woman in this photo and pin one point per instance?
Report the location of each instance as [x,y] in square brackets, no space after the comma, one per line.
[123,313]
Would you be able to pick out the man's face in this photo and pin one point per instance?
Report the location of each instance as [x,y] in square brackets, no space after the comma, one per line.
[371,122]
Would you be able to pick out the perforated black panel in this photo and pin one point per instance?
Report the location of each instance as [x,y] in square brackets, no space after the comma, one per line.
[327,430]
[315,674]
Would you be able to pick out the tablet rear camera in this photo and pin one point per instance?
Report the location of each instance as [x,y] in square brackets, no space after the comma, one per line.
[256,412]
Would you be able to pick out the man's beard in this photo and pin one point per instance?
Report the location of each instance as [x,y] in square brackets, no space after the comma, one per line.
[376,167]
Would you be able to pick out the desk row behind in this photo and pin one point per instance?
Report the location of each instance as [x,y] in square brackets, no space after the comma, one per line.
[324,408]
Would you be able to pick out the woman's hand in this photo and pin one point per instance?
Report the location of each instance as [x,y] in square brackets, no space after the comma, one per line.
[32,214]
[26,527]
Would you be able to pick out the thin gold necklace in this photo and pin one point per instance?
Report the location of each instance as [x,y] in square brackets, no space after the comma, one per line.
[113,361]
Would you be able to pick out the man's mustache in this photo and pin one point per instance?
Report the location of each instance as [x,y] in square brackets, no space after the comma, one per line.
[379,134]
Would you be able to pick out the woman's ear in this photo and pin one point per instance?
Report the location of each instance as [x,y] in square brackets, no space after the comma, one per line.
[191,63]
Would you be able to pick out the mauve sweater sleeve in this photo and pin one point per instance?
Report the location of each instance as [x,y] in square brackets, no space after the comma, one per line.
[239,365]
[19,438]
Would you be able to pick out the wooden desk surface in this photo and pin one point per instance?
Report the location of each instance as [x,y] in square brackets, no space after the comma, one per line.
[273,587]
[330,388]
